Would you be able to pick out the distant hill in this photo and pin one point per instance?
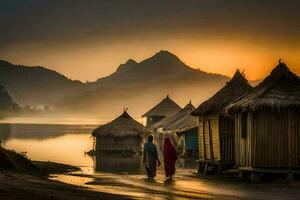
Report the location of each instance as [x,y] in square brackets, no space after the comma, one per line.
[141,85]
[160,67]
[35,85]
[137,85]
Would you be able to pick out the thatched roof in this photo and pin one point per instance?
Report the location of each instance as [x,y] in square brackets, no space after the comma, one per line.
[122,126]
[235,88]
[182,120]
[167,107]
[280,90]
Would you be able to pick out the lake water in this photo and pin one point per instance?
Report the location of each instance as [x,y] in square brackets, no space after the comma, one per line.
[65,144]
[56,143]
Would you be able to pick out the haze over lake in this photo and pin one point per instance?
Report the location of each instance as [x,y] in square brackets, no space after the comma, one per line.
[64,144]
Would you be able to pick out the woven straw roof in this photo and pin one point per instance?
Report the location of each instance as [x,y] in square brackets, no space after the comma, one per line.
[182,120]
[122,126]
[235,88]
[278,91]
[167,107]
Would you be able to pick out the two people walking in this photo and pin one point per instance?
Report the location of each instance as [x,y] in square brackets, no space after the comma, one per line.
[151,160]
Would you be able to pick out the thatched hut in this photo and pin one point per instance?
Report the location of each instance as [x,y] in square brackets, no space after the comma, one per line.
[267,124]
[181,119]
[124,134]
[185,126]
[216,130]
[166,108]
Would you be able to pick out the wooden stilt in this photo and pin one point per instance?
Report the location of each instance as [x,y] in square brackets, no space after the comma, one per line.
[255,177]
[205,168]
[200,168]
[289,176]
[219,170]
[241,174]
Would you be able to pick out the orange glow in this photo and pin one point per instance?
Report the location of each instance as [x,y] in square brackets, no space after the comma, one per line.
[89,60]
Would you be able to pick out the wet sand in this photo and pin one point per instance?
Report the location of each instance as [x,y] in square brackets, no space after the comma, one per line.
[69,183]
[16,185]
[186,185]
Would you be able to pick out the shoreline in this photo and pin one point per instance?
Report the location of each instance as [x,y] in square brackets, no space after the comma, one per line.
[46,183]
[35,186]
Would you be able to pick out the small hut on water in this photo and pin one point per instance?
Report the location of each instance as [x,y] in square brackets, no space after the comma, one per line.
[267,125]
[166,108]
[124,134]
[216,130]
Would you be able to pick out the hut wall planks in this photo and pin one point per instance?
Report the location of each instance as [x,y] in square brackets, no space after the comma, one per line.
[272,141]
[201,141]
[191,140]
[118,144]
[244,145]
[226,128]
[209,149]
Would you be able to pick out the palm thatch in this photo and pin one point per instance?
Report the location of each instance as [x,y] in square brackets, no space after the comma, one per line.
[167,107]
[182,120]
[278,91]
[122,126]
[235,88]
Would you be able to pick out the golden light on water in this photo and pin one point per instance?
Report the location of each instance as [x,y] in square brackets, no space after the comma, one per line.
[67,149]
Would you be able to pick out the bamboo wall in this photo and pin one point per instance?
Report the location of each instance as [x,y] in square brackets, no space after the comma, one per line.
[118,144]
[244,146]
[209,150]
[226,129]
[272,140]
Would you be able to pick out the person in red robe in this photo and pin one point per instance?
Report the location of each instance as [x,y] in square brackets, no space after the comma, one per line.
[170,157]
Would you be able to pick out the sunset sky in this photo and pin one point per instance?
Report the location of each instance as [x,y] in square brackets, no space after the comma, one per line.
[86,40]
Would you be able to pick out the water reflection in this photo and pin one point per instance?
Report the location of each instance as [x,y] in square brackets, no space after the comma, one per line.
[187,163]
[40,131]
[67,144]
[132,165]
[117,163]
[48,142]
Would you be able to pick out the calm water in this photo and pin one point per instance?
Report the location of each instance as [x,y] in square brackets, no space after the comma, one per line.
[57,143]
[65,144]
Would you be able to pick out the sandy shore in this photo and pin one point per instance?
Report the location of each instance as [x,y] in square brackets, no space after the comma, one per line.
[16,185]
[69,183]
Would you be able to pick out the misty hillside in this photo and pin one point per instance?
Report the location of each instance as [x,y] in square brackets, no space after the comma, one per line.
[140,86]
[137,85]
[35,85]
[161,67]
[7,104]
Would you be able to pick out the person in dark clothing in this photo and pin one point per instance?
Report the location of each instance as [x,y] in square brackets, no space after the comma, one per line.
[170,157]
[150,158]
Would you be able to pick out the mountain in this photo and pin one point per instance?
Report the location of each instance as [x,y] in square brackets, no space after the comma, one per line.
[35,85]
[140,85]
[162,66]
[137,85]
